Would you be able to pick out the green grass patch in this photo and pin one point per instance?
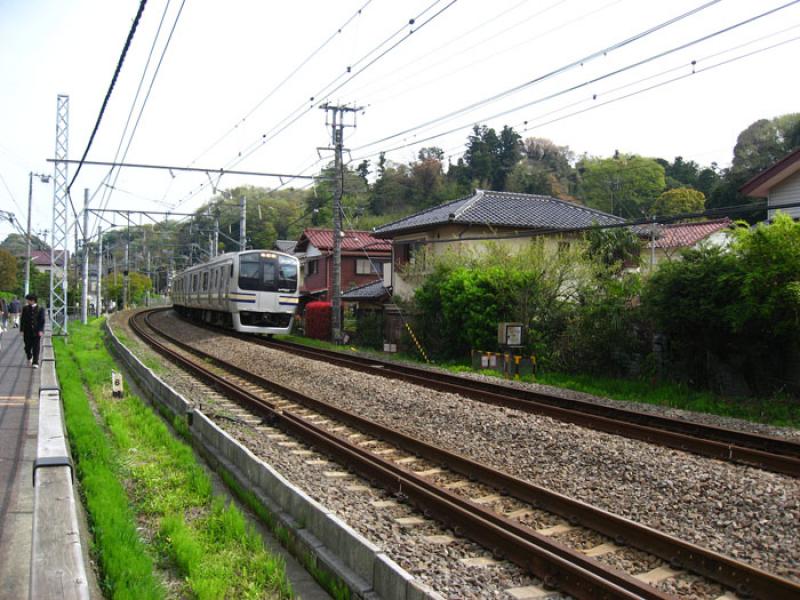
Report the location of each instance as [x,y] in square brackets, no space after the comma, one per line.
[207,542]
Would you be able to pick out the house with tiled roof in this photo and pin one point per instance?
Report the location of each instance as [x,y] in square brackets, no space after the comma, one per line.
[508,218]
[780,185]
[363,260]
[43,261]
[665,242]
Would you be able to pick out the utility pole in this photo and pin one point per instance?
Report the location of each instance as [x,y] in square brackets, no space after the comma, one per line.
[216,235]
[85,278]
[242,224]
[126,270]
[337,139]
[44,179]
[99,301]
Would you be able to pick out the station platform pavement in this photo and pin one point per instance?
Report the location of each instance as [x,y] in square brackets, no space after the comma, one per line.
[19,418]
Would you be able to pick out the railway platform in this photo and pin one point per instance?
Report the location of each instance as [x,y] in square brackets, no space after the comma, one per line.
[19,417]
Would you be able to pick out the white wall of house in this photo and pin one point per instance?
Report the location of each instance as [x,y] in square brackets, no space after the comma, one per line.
[786,192]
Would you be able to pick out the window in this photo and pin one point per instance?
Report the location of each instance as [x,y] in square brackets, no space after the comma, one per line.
[205,281]
[312,267]
[365,266]
[267,272]
[194,282]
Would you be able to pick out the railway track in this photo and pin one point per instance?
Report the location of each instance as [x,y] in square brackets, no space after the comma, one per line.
[444,498]
[764,452]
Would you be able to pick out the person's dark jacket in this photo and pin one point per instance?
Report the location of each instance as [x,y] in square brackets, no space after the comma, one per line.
[15,307]
[32,320]
[3,307]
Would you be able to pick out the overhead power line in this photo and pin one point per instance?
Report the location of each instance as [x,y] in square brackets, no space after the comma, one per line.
[576,63]
[121,60]
[219,172]
[109,189]
[577,86]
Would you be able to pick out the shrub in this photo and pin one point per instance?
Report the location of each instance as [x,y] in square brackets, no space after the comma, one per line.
[318,320]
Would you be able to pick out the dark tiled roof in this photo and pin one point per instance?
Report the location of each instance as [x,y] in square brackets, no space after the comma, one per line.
[502,209]
[369,291]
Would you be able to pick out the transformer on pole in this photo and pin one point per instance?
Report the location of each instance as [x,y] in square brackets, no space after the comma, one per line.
[60,241]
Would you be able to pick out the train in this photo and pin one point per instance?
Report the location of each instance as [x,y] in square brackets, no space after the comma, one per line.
[255,291]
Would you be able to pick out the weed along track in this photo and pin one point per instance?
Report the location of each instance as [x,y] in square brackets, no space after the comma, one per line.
[568,545]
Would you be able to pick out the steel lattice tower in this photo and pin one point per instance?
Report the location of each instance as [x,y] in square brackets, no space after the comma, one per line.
[59,254]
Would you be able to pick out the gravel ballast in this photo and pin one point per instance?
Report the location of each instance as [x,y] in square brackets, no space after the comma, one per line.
[743,512]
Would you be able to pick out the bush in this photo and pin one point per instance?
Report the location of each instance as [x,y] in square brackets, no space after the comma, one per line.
[734,315]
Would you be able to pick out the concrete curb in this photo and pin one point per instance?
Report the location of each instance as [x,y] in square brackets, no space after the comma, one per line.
[335,547]
[57,566]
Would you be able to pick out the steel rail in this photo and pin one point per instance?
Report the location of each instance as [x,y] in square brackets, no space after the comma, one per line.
[558,567]
[745,579]
[765,452]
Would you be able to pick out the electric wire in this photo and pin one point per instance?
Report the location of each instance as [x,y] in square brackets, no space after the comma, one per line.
[583,84]
[303,109]
[121,60]
[106,197]
[283,82]
[559,70]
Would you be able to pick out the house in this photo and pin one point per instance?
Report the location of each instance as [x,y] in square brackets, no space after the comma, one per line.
[508,218]
[43,260]
[363,258]
[671,239]
[780,185]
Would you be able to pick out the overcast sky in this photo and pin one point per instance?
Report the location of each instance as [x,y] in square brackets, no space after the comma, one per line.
[225,58]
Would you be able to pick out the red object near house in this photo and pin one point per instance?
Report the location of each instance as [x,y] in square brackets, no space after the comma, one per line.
[318,320]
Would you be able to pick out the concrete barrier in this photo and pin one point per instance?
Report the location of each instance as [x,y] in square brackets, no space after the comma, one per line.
[335,546]
[57,567]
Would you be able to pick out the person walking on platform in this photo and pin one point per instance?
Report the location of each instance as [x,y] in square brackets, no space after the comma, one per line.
[14,308]
[3,314]
[32,329]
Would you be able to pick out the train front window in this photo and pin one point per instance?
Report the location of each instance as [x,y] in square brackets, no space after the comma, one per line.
[267,272]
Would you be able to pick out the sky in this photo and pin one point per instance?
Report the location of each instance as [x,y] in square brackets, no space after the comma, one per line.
[236,80]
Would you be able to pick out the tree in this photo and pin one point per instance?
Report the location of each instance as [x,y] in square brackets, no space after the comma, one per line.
[529,177]
[614,248]
[138,286]
[625,185]
[758,147]
[8,271]
[489,158]
[16,244]
[679,201]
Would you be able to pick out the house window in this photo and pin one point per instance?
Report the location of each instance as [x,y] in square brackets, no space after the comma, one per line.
[365,266]
[312,267]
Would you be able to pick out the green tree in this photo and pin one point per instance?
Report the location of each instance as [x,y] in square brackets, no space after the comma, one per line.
[138,286]
[614,248]
[8,271]
[625,185]
[679,201]
[16,244]
[758,147]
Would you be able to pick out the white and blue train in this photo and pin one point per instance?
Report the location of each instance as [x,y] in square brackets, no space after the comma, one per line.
[254,291]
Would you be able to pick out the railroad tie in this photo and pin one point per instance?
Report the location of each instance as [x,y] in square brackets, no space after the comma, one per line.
[439,539]
[555,529]
[601,550]
[530,592]
[480,561]
[658,575]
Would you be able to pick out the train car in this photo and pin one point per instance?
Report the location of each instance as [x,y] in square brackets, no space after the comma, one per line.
[254,291]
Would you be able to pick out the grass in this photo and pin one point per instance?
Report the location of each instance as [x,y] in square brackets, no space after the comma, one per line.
[779,411]
[194,533]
